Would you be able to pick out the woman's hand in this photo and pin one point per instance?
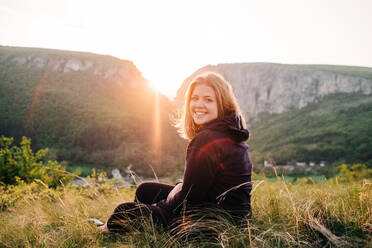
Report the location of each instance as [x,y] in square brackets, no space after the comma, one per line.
[174,191]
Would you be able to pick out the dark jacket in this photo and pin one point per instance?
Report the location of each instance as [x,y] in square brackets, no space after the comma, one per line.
[217,171]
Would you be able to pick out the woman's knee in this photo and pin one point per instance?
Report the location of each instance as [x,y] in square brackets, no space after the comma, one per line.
[141,191]
[143,187]
[152,192]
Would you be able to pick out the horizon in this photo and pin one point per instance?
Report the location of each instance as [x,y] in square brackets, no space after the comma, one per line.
[167,41]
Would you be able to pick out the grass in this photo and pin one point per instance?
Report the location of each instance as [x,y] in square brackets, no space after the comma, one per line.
[296,180]
[83,170]
[328,214]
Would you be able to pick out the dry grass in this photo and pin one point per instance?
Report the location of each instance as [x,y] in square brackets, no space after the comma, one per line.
[284,215]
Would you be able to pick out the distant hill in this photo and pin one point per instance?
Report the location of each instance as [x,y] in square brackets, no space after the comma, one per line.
[302,112]
[278,88]
[337,128]
[90,109]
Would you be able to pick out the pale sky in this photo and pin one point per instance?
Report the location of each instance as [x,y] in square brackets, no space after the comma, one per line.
[169,39]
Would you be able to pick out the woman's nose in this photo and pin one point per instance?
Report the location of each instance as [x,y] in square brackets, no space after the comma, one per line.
[199,103]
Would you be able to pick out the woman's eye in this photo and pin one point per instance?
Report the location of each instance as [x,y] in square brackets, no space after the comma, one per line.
[209,100]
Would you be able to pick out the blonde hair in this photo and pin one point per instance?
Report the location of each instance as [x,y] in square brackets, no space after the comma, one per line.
[226,103]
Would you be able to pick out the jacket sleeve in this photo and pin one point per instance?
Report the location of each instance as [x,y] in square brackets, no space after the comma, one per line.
[202,161]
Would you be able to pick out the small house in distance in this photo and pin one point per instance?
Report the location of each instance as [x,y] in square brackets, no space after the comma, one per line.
[270,162]
[301,164]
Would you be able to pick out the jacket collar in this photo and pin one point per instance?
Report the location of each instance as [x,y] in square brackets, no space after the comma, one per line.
[231,124]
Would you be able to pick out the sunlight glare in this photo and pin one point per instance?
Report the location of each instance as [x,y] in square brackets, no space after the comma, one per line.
[164,80]
[154,85]
[164,87]
[157,125]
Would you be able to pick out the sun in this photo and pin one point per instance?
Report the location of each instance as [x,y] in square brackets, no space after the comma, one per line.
[163,78]
[155,85]
[167,87]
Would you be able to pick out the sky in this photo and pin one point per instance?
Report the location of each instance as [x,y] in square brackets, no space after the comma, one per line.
[170,39]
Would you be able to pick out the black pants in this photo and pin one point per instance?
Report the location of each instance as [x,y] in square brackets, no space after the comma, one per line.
[130,214]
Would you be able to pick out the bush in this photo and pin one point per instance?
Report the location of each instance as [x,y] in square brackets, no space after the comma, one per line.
[21,164]
[353,173]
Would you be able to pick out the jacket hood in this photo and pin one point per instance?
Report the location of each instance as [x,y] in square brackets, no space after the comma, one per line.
[231,124]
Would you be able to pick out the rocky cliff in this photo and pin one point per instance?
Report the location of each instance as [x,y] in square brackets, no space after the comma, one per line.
[277,88]
[104,68]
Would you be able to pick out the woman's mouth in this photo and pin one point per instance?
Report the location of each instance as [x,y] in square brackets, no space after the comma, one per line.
[199,114]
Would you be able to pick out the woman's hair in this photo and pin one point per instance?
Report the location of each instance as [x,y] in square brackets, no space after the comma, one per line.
[226,102]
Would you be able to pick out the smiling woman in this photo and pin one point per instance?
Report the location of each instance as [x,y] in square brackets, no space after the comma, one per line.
[218,168]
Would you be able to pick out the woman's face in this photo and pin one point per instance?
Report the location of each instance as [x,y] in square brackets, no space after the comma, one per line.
[203,104]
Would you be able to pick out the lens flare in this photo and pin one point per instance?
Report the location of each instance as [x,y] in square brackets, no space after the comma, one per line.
[37,96]
[157,125]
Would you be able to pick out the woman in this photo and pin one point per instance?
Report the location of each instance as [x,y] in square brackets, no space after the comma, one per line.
[217,170]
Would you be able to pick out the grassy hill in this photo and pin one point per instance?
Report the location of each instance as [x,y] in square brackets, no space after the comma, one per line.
[338,128]
[85,117]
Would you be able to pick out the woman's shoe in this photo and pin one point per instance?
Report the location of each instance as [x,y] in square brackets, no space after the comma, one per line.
[104,229]
[96,222]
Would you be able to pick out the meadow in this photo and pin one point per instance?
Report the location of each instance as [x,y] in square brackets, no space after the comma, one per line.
[333,213]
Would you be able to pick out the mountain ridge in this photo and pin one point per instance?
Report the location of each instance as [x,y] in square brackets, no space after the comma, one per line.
[278,88]
[105,66]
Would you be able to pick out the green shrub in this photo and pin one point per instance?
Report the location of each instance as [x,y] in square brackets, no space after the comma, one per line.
[355,172]
[22,164]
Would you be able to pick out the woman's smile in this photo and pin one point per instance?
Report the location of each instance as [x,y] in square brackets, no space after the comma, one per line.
[199,115]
